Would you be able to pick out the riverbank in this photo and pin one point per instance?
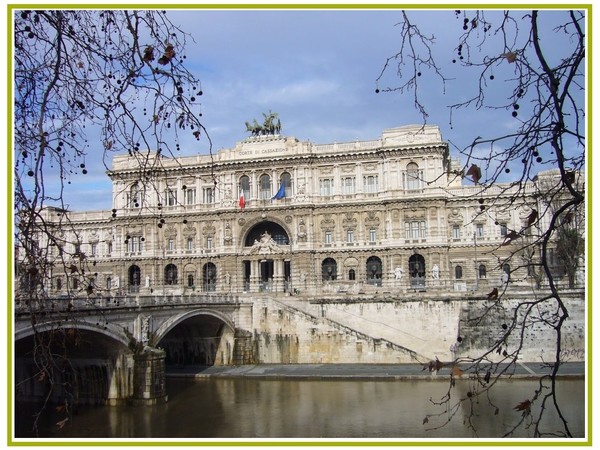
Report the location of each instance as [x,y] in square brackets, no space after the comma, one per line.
[355,371]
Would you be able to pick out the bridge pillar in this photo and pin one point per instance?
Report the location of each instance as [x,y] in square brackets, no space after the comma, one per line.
[149,386]
[244,350]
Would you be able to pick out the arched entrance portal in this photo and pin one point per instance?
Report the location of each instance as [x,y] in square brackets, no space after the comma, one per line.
[134,277]
[374,271]
[267,264]
[416,270]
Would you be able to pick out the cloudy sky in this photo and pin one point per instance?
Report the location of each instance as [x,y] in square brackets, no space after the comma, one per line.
[318,70]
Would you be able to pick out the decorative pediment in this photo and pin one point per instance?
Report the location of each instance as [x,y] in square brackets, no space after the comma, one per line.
[455,216]
[209,229]
[93,236]
[414,213]
[372,219]
[327,223]
[170,231]
[351,262]
[349,220]
[189,231]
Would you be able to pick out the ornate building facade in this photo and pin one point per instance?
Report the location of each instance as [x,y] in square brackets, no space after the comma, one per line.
[282,216]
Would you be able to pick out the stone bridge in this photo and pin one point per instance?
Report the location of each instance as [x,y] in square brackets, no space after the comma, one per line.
[120,345]
[119,348]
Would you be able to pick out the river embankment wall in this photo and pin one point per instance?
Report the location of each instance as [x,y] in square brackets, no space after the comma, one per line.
[415,330]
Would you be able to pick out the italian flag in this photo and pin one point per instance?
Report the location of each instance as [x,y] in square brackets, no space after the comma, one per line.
[242,200]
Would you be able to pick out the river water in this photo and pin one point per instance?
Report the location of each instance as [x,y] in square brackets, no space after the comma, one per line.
[259,408]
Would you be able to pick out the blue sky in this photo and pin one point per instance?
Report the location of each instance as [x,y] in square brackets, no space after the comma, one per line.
[317,69]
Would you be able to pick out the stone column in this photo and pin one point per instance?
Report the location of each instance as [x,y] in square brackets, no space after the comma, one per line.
[278,275]
[254,275]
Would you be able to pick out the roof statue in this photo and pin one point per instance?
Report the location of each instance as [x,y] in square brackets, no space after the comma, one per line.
[270,126]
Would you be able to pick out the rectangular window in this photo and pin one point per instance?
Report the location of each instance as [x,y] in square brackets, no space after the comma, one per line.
[349,185]
[108,248]
[190,244]
[503,229]
[372,235]
[93,249]
[326,186]
[190,196]
[350,236]
[456,232]
[133,199]
[209,242]
[328,237]
[170,197]
[479,230]
[209,195]
[371,184]
[415,230]
[171,245]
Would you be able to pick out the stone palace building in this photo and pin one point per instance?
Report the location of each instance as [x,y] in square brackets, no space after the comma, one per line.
[283,216]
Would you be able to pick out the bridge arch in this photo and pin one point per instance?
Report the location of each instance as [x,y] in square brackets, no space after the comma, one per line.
[202,337]
[109,330]
[91,363]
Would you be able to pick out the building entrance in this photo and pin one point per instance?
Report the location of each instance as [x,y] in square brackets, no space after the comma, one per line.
[266,275]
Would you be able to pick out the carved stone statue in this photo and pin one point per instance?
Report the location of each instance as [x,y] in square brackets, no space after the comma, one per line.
[266,245]
[435,272]
[398,272]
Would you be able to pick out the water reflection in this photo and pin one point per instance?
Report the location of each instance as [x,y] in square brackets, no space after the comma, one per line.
[253,408]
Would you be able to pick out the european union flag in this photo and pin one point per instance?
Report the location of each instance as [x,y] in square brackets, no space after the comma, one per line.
[280,192]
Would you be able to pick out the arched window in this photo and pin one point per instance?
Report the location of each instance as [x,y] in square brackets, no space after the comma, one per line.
[265,187]
[482,271]
[374,270]
[134,275]
[413,178]
[260,230]
[108,283]
[506,273]
[329,269]
[458,272]
[209,277]
[170,274]
[351,275]
[134,199]
[416,269]
[244,186]
[286,180]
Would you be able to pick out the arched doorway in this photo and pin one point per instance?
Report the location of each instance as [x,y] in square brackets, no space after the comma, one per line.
[170,274]
[134,276]
[268,265]
[329,269]
[209,277]
[416,270]
[374,270]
